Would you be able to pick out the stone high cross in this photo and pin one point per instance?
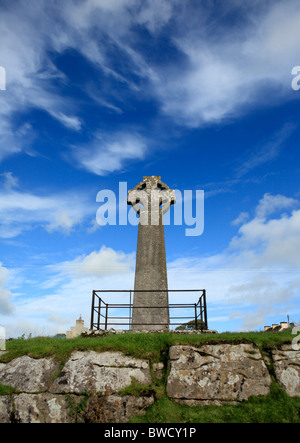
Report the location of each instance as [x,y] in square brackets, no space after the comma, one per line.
[151,199]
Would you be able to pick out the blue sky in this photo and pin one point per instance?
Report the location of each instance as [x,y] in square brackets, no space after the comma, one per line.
[100,92]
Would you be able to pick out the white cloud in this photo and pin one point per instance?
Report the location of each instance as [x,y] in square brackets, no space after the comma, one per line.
[57,319]
[271,242]
[71,122]
[21,211]
[6,306]
[258,272]
[100,263]
[217,71]
[68,292]
[9,181]
[276,40]
[231,69]
[63,220]
[242,218]
[25,41]
[272,203]
[109,152]
[155,13]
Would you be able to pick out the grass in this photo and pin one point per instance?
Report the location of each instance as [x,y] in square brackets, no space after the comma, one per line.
[138,390]
[6,390]
[152,346]
[277,407]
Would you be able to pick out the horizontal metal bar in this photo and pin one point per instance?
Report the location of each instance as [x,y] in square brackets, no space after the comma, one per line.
[125,318]
[114,306]
[170,304]
[174,318]
[144,324]
[148,290]
[141,324]
[171,318]
[193,318]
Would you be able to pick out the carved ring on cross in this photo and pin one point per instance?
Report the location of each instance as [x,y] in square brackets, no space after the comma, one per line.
[151,195]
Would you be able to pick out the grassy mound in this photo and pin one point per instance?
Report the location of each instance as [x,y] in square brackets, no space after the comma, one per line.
[152,346]
[277,407]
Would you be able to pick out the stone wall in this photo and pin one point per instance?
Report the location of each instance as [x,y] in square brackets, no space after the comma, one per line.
[87,388]
[216,374]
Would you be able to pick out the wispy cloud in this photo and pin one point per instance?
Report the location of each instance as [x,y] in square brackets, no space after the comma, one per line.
[205,79]
[268,152]
[245,166]
[222,78]
[241,219]
[31,74]
[22,211]
[110,152]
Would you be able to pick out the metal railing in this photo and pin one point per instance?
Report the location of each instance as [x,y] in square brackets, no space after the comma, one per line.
[101,318]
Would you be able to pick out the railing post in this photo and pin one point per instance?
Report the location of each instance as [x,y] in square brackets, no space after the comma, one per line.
[205,310]
[201,311]
[130,311]
[92,313]
[99,313]
[106,317]
[196,325]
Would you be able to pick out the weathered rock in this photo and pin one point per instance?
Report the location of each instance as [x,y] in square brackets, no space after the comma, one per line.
[96,372]
[114,408]
[287,369]
[217,373]
[211,374]
[49,408]
[41,408]
[28,374]
[122,409]
[5,409]
[157,369]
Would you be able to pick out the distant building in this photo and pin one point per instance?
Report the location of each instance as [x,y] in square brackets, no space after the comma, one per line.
[276,327]
[77,330]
